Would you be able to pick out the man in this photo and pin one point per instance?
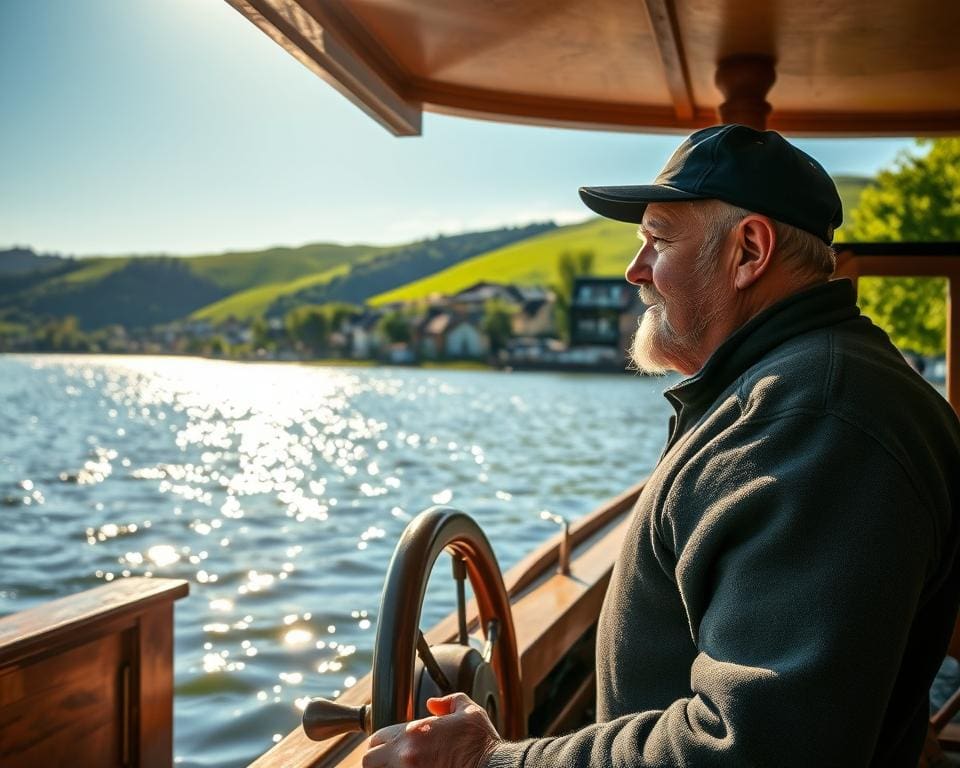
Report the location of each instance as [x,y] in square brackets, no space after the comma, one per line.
[788,584]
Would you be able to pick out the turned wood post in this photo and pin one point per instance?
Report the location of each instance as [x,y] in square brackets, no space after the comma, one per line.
[744,82]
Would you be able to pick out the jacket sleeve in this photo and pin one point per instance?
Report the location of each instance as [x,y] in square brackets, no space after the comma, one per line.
[801,554]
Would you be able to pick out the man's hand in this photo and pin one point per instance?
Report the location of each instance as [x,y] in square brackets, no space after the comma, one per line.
[459,736]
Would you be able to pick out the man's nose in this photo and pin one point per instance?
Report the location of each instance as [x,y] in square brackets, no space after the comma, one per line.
[639,271]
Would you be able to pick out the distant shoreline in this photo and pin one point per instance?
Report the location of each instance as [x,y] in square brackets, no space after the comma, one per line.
[338,362]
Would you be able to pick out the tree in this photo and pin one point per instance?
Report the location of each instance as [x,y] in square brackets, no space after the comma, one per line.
[918,199]
[395,327]
[497,324]
[337,312]
[569,268]
[218,346]
[261,334]
[309,326]
[61,335]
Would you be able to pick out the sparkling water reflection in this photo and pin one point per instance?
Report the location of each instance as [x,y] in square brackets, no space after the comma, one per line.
[279,492]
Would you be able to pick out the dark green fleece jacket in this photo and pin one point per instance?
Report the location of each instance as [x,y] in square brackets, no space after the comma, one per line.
[788,583]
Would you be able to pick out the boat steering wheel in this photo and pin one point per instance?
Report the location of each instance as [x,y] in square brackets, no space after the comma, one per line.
[406,670]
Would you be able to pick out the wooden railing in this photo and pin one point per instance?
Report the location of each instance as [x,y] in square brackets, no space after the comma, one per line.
[87,680]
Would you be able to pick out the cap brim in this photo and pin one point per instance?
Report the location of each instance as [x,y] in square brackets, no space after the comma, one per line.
[629,203]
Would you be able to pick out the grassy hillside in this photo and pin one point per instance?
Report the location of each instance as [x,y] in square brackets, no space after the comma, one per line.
[366,275]
[139,291]
[406,263]
[91,270]
[255,269]
[135,293]
[532,261]
[254,302]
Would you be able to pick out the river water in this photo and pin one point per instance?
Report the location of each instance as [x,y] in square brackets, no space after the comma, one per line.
[279,492]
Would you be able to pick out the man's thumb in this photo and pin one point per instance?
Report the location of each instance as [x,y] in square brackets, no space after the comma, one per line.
[447,705]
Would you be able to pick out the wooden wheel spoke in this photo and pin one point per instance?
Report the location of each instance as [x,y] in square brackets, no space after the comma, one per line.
[430,663]
[460,576]
[493,634]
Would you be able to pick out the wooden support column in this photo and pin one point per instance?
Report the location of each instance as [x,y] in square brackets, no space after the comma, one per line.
[744,82]
[847,267]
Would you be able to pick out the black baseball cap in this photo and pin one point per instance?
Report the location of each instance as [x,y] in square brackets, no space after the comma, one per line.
[757,170]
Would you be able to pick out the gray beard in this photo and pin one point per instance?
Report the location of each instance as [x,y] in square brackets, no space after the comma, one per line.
[657,346]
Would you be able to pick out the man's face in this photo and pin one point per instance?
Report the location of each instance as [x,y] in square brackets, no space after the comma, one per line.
[681,287]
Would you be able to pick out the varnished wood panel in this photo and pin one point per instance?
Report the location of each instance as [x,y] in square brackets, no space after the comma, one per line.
[152,688]
[87,680]
[23,633]
[64,709]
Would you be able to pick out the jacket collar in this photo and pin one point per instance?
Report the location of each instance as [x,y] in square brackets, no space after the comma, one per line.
[818,307]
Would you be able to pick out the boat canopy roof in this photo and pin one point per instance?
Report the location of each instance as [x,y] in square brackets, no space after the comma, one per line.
[831,67]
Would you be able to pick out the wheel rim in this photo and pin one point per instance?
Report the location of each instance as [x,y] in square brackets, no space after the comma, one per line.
[430,533]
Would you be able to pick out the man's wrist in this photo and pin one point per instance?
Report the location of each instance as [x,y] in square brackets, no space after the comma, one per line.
[505,754]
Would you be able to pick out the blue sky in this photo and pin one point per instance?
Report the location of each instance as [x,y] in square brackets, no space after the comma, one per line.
[176,126]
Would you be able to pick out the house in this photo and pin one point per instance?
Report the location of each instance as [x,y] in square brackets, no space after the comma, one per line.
[536,315]
[432,332]
[445,334]
[475,297]
[598,309]
[464,339]
[363,340]
[604,313]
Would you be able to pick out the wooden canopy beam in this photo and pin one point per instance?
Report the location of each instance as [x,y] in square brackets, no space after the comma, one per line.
[334,55]
[663,19]
[570,65]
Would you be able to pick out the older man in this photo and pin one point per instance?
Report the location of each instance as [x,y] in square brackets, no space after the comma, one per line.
[788,583]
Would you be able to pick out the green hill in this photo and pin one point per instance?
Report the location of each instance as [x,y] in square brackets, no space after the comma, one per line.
[370,273]
[406,263]
[532,261]
[139,291]
[238,271]
[255,302]
[134,292]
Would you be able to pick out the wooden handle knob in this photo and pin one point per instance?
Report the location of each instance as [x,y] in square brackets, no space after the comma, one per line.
[324,719]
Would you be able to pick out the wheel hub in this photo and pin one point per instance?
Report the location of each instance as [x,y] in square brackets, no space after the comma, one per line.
[466,670]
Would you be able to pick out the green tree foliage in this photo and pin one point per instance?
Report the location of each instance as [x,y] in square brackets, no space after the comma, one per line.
[497,324]
[918,199]
[261,334]
[218,346]
[570,267]
[395,327]
[308,326]
[338,312]
[61,335]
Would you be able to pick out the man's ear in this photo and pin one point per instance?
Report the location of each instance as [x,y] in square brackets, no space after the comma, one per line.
[756,239]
